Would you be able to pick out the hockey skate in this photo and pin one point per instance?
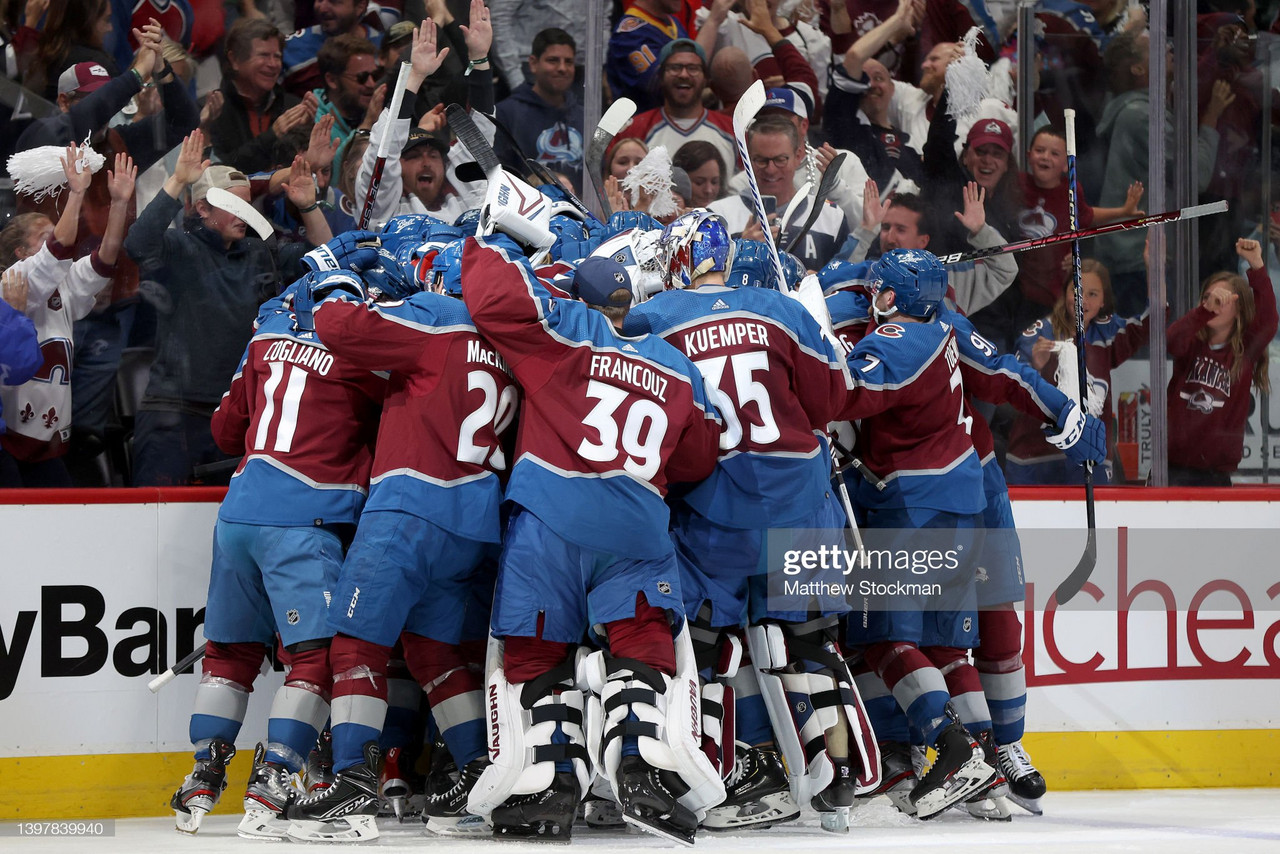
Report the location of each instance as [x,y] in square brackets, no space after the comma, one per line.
[266,799]
[834,803]
[343,811]
[318,773]
[394,790]
[649,800]
[958,771]
[1026,785]
[992,802]
[897,776]
[757,793]
[445,812]
[545,816]
[203,787]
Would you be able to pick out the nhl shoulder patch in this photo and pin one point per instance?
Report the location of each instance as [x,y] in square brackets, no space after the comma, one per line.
[719,305]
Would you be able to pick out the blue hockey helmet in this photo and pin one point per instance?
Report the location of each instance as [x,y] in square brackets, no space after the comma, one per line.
[623,220]
[917,278]
[693,245]
[446,269]
[408,228]
[752,266]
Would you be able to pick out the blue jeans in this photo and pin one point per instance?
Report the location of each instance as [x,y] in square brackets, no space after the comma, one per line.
[99,338]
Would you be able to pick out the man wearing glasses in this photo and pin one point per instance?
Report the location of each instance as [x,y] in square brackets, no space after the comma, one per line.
[351,74]
[302,70]
[682,75]
[776,152]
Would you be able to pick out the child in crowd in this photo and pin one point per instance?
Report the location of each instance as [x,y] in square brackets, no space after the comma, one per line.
[1109,341]
[1219,350]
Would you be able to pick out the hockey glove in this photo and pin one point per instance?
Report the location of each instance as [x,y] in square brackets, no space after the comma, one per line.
[1081,437]
[351,250]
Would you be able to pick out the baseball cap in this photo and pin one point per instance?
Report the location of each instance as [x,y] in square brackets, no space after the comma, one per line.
[418,136]
[597,278]
[399,33]
[681,46]
[786,99]
[991,131]
[222,177]
[83,77]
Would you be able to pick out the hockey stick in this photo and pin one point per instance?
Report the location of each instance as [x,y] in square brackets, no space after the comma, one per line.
[464,127]
[165,678]
[825,187]
[1191,212]
[1073,582]
[796,201]
[743,115]
[375,180]
[618,114]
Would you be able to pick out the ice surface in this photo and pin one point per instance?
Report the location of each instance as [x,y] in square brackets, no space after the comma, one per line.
[1171,821]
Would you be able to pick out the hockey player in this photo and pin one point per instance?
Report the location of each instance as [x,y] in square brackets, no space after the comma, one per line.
[304,421]
[995,378]
[977,361]
[777,383]
[608,422]
[431,519]
[915,438]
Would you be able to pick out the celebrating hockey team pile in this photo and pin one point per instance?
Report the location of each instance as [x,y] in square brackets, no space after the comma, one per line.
[534,463]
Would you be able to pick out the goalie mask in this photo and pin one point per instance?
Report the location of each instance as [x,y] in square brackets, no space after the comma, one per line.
[639,252]
[693,245]
[917,279]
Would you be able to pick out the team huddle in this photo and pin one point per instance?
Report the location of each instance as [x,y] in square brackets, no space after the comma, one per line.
[537,461]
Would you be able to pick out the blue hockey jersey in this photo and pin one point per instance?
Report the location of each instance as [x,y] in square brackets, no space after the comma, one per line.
[777,383]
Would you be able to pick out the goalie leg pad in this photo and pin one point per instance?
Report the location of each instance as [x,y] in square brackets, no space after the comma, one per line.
[532,726]
[804,680]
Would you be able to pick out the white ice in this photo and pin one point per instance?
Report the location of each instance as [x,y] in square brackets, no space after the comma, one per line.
[1181,821]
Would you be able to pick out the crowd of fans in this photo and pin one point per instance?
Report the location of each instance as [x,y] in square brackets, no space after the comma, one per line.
[289,101]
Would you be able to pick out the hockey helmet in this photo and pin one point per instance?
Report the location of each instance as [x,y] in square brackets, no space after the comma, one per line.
[917,278]
[752,266]
[693,245]
[446,269]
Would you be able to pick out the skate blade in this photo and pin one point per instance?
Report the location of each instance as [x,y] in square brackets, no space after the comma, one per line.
[1031,805]
[757,815]
[836,820]
[967,779]
[649,825]
[263,824]
[464,825]
[357,828]
[545,832]
[991,808]
[189,822]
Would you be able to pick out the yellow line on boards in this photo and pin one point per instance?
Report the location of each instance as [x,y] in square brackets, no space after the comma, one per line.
[140,784]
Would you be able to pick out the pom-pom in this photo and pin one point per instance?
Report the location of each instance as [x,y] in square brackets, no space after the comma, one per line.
[1067,379]
[38,171]
[966,79]
[653,176]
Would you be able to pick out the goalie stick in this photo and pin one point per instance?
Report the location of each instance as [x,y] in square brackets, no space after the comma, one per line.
[743,115]
[825,187]
[189,659]
[618,114]
[375,180]
[1072,583]
[1191,212]
[464,127]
